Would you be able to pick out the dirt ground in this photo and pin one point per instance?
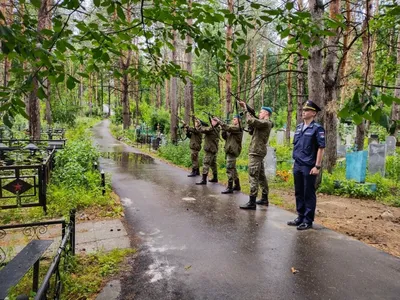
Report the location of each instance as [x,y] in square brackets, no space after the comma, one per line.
[368,221]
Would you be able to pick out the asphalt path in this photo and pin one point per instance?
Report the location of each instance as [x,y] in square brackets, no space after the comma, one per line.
[195,243]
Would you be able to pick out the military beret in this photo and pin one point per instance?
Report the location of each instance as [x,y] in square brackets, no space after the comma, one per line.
[268,109]
[237,116]
[311,105]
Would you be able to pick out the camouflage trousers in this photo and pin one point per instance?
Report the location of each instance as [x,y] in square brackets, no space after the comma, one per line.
[195,159]
[210,161]
[231,167]
[257,175]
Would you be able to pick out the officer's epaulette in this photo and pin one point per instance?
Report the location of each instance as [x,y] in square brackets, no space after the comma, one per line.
[317,124]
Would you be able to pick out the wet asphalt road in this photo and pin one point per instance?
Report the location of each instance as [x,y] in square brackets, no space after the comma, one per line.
[195,243]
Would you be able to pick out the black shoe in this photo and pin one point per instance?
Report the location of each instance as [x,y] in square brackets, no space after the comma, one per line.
[251,204]
[304,226]
[215,178]
[193,174]
[263,200]
[197,171]
[203,180]
[236,187]
[295,222]
[229,189]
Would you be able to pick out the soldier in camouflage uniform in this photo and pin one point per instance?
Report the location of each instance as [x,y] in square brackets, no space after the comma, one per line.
[233,134]
[195,146]
[257,152]
[211,140]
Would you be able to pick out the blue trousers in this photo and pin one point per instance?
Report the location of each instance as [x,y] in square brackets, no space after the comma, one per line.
[304,186]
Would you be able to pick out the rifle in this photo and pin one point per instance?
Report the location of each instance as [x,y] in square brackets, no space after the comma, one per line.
[248,108]
[201,121]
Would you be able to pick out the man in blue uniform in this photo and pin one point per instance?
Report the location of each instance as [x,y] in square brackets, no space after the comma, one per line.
[309,144]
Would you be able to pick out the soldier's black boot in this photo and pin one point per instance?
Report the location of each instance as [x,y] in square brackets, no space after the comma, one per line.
[193,174]
[263,200]
[203,180]
[251,204]
[215,178]
[236,187]
[197,171]
[229,189]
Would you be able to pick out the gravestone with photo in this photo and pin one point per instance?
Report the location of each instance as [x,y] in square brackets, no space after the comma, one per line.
[341,151]
[390,145]
[270,163]
[280,137]
[376,158]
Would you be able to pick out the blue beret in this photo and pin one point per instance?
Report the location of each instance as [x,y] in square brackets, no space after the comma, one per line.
[237,116]
[268,109]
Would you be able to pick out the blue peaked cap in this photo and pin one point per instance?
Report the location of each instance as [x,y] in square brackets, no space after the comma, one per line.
[268,109]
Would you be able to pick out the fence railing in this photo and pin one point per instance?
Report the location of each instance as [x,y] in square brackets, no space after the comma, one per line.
[26,181]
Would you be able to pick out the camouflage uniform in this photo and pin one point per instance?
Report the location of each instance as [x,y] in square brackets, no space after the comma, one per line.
[233,147]
[211,140]
[194,145]
[257,152]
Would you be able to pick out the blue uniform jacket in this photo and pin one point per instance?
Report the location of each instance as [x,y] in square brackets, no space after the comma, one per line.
[307,142]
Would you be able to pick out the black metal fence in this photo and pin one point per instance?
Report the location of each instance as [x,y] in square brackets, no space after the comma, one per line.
[34,231]
[25,185]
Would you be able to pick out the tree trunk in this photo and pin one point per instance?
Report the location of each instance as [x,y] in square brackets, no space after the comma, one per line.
[365,70]
[34,104]
[125,102]
[90,94]
[158,105]
[290,101]
[301,81]
[6,10]
[253,76]
[395,115]
[189,84]
[174,91]
[344,66]
[301,84]
[331,88]
[48,116]
[264,70]
[315,82]
[245,70]
[228,75]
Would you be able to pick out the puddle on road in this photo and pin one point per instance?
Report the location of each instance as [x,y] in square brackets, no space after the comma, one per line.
[128,158]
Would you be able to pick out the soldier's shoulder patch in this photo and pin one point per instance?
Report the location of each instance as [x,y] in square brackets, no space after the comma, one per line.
[321,134]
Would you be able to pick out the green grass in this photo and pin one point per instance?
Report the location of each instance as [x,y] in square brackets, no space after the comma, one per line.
[83,276]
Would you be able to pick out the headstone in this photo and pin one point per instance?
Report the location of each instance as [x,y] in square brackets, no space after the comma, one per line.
[291,136]
[270,163]
[341,151]
[390,145]
[163,140]
[373,139]
[356,165]
[349,140]
[377,158]
[280,137]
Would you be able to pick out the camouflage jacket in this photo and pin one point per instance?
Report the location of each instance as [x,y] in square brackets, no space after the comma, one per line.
[211,138]
[195,138]
[259,139]
[234,136]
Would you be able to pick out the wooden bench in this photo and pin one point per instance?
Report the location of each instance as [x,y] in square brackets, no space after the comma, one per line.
[13,272]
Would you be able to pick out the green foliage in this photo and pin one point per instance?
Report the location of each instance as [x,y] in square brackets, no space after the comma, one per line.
[393,166]
[179,154]
[64,113]
[117,118]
